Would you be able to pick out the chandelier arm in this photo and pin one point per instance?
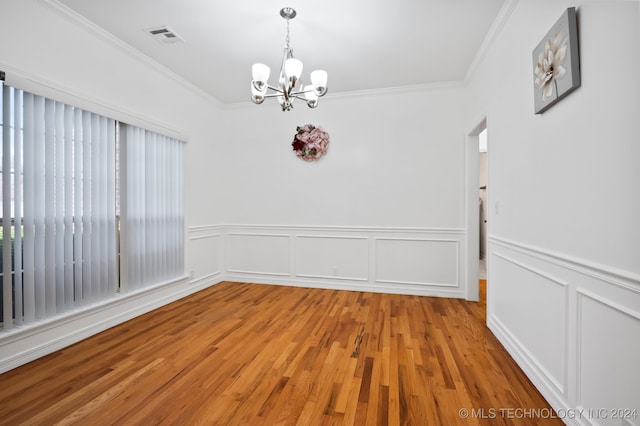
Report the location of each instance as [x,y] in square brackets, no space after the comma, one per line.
[275,89]
[301,92]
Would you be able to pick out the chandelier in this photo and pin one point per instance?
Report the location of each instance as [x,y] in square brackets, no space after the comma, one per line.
[289,84]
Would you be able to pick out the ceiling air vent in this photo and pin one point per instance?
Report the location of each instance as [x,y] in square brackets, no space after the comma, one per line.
[165,35]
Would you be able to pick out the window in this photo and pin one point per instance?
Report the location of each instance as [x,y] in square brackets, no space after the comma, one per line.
[90,207]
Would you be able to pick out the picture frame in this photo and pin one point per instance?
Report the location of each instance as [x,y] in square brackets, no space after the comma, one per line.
[556,63]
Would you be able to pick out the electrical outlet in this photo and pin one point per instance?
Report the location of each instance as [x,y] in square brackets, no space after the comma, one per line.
[335,271]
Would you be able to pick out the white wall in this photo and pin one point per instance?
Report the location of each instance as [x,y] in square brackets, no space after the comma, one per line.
[383,211]
[46,51]
[564,275]
[394,160]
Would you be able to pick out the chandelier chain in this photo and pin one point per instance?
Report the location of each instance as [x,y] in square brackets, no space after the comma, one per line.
[287,39]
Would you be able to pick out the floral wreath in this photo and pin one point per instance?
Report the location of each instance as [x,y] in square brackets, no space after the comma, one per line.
[310,142]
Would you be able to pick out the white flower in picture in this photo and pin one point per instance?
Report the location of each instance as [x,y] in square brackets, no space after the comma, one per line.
[556,62]
[550,66]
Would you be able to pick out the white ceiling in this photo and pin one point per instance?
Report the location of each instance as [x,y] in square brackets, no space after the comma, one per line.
[362,44]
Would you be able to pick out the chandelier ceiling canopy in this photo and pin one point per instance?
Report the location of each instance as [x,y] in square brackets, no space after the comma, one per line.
[289,85]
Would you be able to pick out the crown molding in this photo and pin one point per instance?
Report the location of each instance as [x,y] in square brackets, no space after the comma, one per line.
[395,90]
[91,27]
[498,24]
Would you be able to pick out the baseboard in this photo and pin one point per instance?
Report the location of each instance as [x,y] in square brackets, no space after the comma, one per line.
[348,285]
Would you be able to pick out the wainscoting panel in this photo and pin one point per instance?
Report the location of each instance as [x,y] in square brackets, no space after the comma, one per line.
[421,261]
[572,326]
[532,296]
[427,263]
[205,249]
[332,257]
[258,253]
[393,260]
[608,345]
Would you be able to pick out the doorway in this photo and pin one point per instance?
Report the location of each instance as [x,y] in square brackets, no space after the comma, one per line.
[473,207]
[482,199]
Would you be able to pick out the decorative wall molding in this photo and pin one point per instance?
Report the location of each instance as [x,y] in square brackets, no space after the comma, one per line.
[351,229]
[624,279]
[258,253]
[560,383]
[208,264]
[533,269]
[430,261]
[386,91]
[349,258]
[205,245]
[597,314]
[620,340]
[341,251]
[524,356]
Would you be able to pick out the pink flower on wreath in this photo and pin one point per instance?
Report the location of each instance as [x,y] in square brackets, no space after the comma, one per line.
[310,142]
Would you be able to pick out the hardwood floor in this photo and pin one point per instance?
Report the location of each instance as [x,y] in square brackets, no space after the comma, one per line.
[251,354]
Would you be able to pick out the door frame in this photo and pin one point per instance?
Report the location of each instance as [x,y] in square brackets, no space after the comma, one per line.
[472,210]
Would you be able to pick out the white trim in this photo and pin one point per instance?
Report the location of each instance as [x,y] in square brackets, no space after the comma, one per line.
[254,234]
[247,272]
[200,237]
[333,277]
[527,361]
[203,228]
[470,195]
[204,277]
[328,237]
[368,283]
[581,279]
[581,295]
[624,279]
[498,24]
[351,285]
[308,228]
[533,269]
[91,27]
[395,90]
[25,344]
[562,387]
[41,86]
[337,237]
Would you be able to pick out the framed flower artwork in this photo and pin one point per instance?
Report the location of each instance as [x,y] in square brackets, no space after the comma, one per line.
[556,63]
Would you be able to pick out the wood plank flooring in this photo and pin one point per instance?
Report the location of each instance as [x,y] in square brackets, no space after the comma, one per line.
[248,354]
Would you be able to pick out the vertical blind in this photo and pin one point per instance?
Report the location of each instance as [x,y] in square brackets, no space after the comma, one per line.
[62,246]
[152,226]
